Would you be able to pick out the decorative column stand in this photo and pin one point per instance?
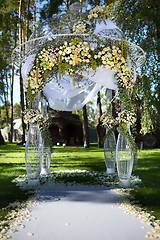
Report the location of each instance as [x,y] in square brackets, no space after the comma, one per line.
[110,142]
[46,158]
[124,159]
[34,150]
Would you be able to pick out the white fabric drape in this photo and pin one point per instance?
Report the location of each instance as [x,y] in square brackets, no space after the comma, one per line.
[102,28]
[66,96]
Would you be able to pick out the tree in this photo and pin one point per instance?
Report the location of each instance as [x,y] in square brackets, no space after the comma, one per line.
[4,120]
[100,130]
[91,114]
[16,111]
[51,7]
[139,20]
[85,127]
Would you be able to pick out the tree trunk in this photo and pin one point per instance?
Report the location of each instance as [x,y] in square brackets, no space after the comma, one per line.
[85,127]
[2,142]
[34,16]
[113,105]
[27,37]
[100,130]
[67,4]
[0,118]
[20,78]
[27,21]
[99,107]
[107,2]
[12,83]
[6,103]
[5,99]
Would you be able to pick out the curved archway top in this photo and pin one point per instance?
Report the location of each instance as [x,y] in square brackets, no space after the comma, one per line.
[52,30]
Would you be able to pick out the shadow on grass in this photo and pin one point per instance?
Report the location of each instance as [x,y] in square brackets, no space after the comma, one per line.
[9,192]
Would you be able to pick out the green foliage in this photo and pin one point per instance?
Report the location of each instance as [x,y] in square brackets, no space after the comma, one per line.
[17,111]
[147,121]
[3,115]
[139,20]
[50,7]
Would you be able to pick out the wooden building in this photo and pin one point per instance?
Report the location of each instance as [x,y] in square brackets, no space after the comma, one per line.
[66,128]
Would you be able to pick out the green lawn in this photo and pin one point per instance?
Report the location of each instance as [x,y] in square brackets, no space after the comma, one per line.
[12,164]
[148,169]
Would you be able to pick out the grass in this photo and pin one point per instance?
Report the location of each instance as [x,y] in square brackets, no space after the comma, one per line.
[148,169]
[12,164]
[91,159]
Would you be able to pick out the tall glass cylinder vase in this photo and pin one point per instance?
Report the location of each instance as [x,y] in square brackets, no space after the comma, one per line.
[33,154]
[46,158]
[110,153]
[124,159]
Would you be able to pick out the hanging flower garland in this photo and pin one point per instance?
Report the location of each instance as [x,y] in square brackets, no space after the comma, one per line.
[74,57]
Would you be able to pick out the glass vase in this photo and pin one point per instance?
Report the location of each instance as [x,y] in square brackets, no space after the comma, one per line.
[124,159]
[46,158]
[110,153]
[33,154]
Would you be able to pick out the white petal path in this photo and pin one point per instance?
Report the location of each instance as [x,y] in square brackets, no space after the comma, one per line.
[80,213]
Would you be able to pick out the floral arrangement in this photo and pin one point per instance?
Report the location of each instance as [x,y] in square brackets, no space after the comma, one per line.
[127,117]
[109,122]
[73,57]
[35,117]
[80,26]
[98,12]
[124,118]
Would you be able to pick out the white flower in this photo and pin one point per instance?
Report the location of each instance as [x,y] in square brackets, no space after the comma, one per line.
[107,66]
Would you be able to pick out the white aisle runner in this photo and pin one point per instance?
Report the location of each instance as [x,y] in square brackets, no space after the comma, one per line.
[79,214]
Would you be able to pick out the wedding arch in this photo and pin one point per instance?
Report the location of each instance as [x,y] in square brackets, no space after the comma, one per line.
[64,64]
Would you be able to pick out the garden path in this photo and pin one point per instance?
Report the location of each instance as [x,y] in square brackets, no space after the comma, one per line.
[80,213]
